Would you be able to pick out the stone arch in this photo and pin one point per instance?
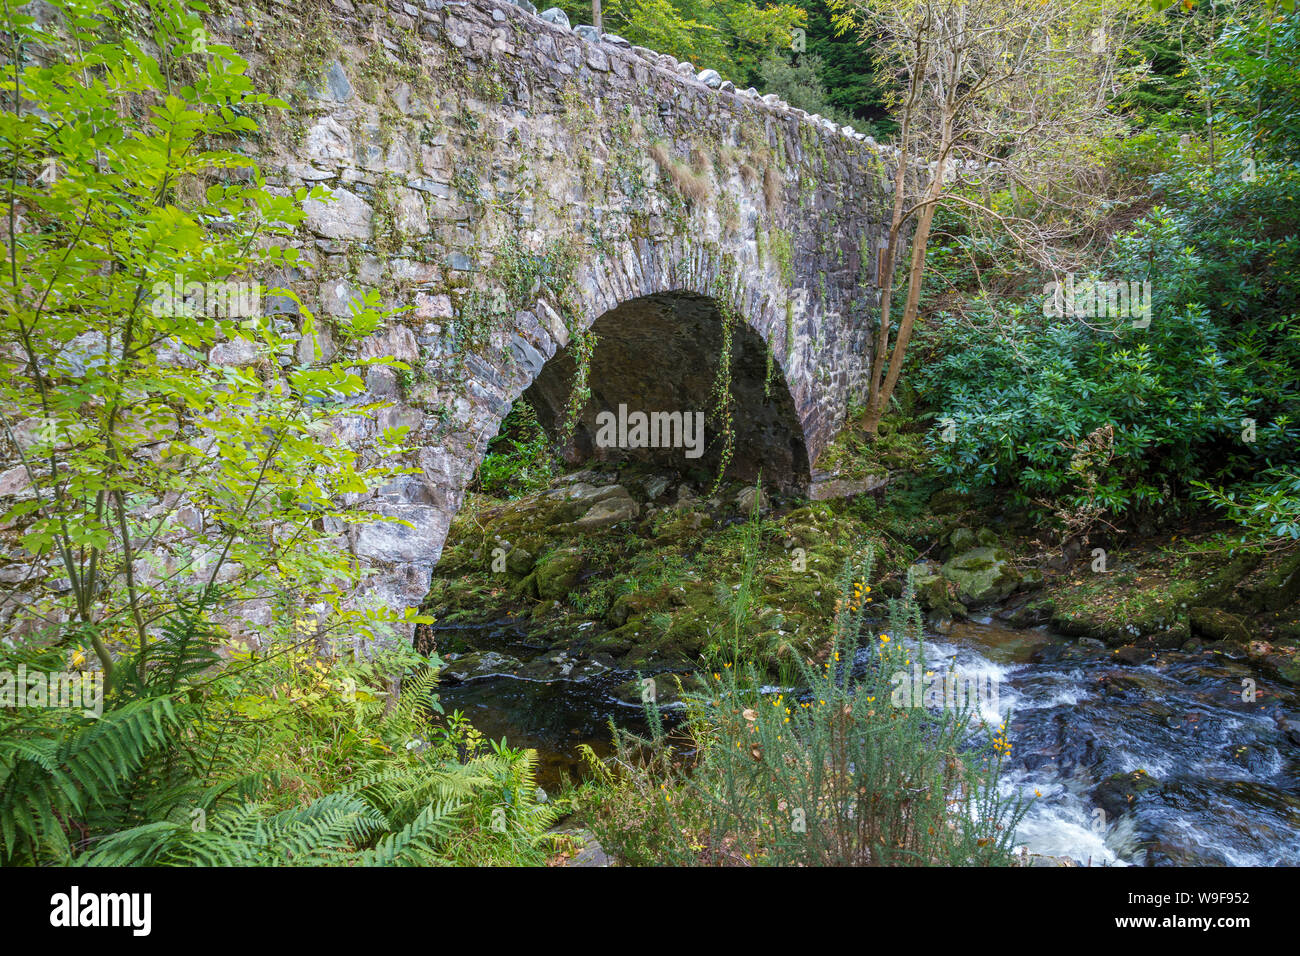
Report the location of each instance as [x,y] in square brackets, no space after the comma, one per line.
[635,271]
[692,276]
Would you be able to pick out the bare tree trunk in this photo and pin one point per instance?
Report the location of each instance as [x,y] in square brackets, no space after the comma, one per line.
[875,409]
[886,296]
[920,239]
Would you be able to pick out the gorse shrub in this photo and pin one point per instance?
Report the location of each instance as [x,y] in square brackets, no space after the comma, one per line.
[838,771]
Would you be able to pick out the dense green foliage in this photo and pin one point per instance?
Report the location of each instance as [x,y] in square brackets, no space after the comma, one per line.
[1101,414]
[283,757]
[174,441]
[1222,346]
[729,36]
[520,459]
[791,49]
[1171,96]
[1255,87]
[834,74]
[847,69]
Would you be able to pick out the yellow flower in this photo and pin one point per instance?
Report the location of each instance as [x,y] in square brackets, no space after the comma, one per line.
[884,638]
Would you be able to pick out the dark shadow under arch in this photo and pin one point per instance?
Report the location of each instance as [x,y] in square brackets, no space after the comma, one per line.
[661,353]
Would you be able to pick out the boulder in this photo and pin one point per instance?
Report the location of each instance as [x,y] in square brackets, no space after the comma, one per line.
[1133,654]
[746,498]
[1030,614]
[589,853]
[656,486]
[610,509]
[1291,728]
[519,562]
[557,574]
[982,575]
[628,606]
[579,499]
[1031,578]
[480,664]
[1217,625]
[1118,793]
[827,487]
[963,539]
[562,666]
[932,590]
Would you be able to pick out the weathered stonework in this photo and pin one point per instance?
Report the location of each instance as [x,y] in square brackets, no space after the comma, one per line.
[512,183]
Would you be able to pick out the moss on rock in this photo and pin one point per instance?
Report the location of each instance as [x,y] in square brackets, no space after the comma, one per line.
[557,574]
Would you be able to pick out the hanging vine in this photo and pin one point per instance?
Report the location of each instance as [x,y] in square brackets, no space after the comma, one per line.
[724,288]
[769,374]
[724,403]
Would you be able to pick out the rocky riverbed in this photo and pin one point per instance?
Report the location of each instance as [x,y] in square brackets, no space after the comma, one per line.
[1127,686]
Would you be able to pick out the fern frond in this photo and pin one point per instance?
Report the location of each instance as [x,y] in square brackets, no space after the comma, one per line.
[415,843]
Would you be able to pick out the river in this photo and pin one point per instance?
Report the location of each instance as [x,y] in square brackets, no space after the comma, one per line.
[1155,764]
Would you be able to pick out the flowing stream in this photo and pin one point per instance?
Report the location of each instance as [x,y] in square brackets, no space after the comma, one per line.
[1156,764]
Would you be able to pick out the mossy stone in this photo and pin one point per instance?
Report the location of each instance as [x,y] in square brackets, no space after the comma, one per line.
[1218,625]
[982,575]
[557,574]
[962,540]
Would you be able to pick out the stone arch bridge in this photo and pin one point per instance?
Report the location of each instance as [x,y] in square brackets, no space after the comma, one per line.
[515,183]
